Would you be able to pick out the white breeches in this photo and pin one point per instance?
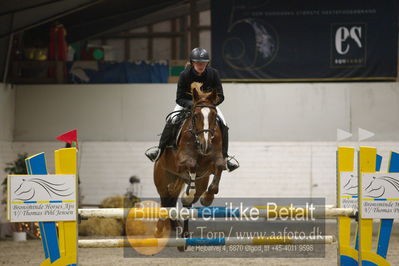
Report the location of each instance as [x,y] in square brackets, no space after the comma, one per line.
[219,112]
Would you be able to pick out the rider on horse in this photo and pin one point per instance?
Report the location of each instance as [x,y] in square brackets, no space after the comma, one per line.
[198,71]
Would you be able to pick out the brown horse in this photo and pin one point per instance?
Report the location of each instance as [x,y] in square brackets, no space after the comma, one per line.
[198,155]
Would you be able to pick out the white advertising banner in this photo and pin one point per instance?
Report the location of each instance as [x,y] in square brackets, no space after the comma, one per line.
[349,190]
[42,198]
[380,195]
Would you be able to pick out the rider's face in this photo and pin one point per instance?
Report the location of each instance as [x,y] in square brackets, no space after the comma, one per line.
[200,67]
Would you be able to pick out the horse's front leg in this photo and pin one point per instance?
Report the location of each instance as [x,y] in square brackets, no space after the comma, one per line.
[209,195]
[219,167]
[214,186]
[189,194]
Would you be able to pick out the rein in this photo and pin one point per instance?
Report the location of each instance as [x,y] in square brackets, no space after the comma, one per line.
[181,115]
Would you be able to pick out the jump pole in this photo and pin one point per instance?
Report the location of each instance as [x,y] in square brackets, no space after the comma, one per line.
[222,241]
[319,212]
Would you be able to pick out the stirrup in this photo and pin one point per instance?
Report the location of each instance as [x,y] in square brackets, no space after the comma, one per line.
[231,163]
[153,153]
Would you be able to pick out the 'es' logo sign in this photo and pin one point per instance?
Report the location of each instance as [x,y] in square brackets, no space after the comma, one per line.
[348,45]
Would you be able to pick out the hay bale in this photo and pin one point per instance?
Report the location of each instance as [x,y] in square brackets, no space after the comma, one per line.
[101,227]
[112,202]
[135,227]
[119,202]
[110,226]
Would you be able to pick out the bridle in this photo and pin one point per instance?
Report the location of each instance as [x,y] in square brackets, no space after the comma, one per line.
[193,129]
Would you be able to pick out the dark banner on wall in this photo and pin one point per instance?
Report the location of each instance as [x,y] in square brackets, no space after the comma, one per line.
[287,40]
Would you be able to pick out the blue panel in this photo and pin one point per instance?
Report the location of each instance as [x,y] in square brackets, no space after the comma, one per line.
[378,163]
[386,224]
[394,163]
[377,168]
[384,237]
[50,229]
[123,72]
[348,261]
[220,241]
[37,166]
[44,240]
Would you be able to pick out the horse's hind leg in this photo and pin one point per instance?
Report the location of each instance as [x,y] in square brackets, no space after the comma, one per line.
[164,223]
[169,200]
[168,187]
[185,231]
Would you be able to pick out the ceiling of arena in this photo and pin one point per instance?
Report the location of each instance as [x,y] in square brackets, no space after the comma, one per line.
[85,19]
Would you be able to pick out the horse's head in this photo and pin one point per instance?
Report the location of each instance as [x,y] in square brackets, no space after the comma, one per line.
[203,117]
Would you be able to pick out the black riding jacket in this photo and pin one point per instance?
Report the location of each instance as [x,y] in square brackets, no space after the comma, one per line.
[209,78]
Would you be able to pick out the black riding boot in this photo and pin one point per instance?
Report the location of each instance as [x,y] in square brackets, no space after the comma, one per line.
[167,136]
[231,163]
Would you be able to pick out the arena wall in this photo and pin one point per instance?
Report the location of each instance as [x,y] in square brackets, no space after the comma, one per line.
[282,134]
[7,104]
[254,112]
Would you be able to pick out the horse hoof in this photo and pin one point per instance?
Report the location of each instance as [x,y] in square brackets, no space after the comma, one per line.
[213,189]
[185,235]
[187,199]
[207,200]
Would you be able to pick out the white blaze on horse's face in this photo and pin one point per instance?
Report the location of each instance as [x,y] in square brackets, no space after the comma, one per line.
[205,112]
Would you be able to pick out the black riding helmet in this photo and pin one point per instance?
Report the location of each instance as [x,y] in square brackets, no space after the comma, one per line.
[199,55]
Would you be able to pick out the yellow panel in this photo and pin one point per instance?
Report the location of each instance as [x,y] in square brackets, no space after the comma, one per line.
[346,159]
[367,159]
[375,258]
[367,163]
[344,236]
[65,163]
[350,252]
[61,236]
[345,163]
[46,262]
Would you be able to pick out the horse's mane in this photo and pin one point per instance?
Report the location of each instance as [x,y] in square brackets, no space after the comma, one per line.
[197,86]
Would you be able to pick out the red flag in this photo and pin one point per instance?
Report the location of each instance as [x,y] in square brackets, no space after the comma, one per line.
[69,137]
